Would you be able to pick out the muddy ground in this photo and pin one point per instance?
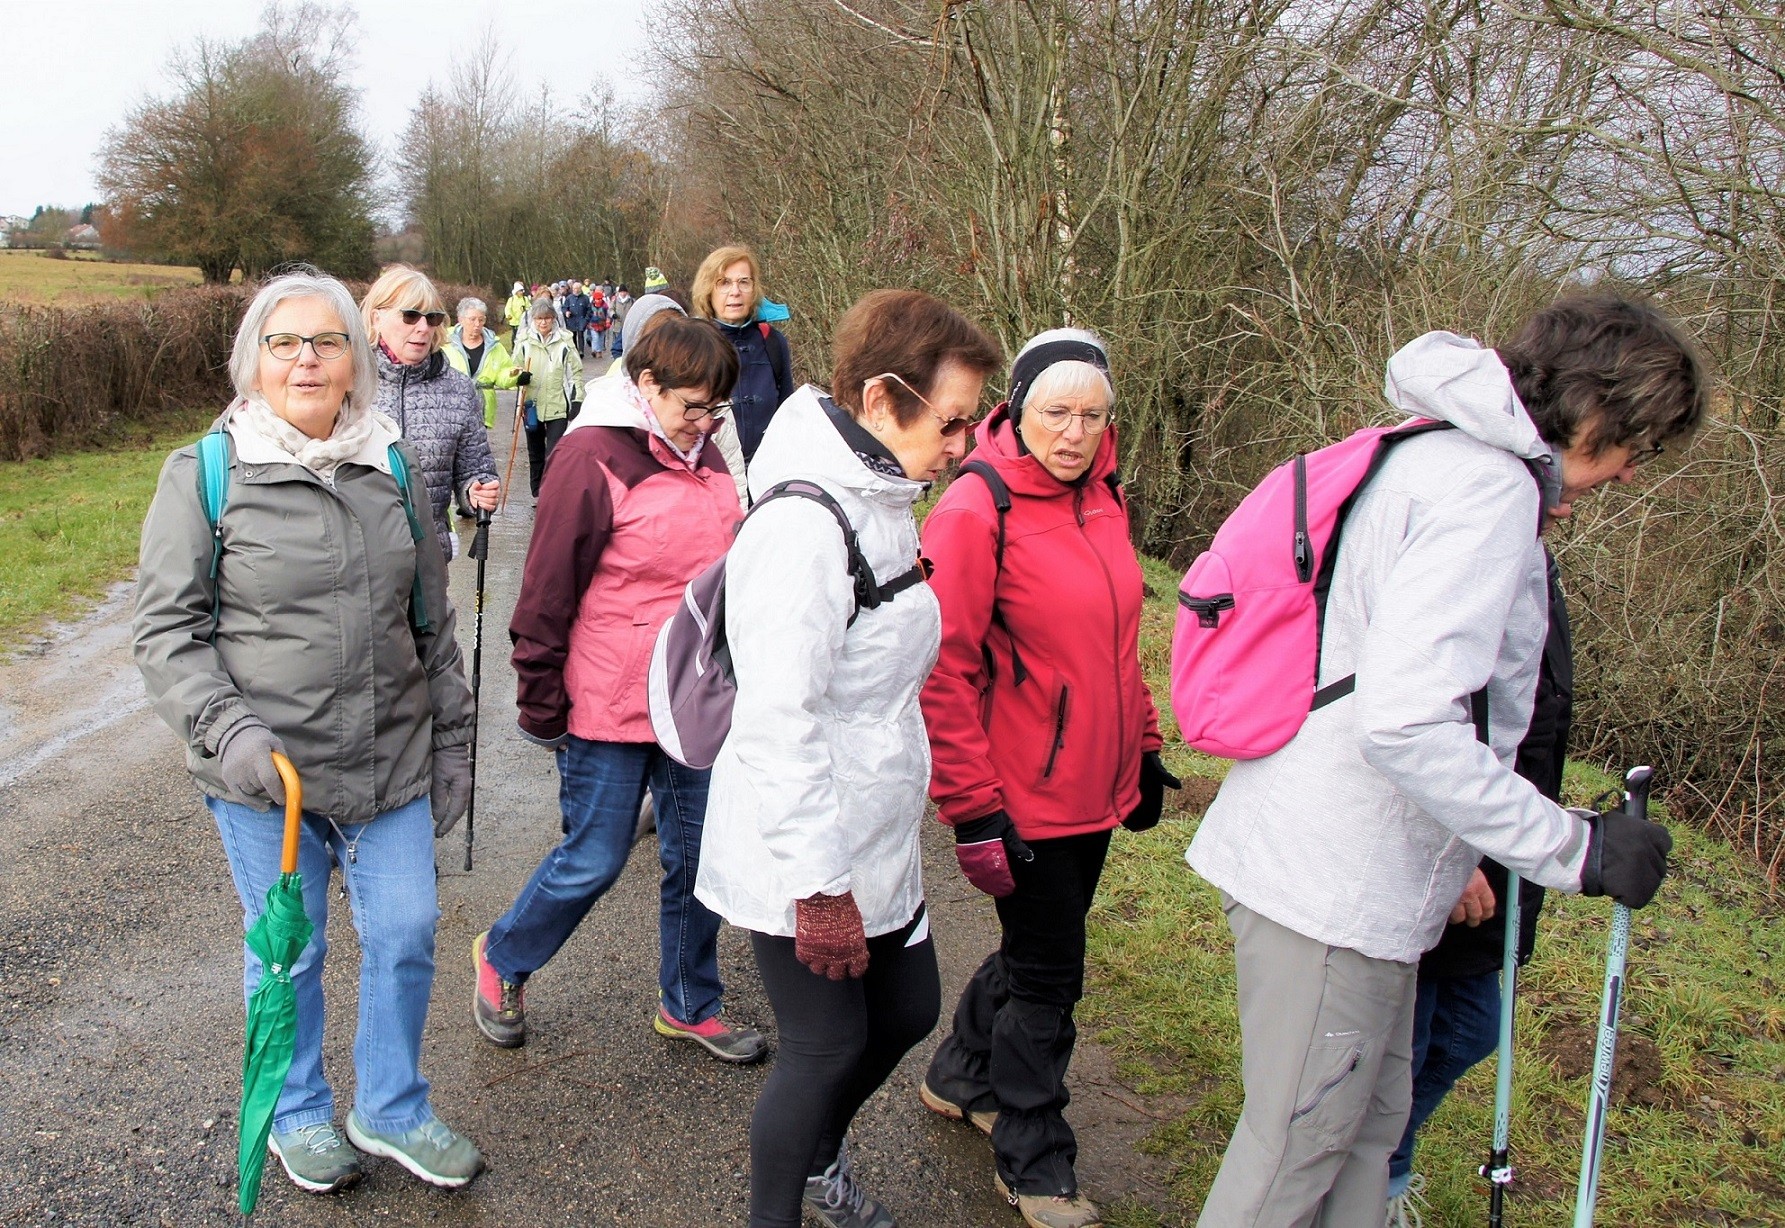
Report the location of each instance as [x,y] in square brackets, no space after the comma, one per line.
[121,1008]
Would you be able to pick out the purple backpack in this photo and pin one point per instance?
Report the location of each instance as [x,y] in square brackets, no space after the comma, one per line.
[691,686]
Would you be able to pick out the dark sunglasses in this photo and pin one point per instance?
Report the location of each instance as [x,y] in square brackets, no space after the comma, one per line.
[412,317]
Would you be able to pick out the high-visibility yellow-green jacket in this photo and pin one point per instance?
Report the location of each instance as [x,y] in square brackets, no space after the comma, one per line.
[497,370]
[515,310]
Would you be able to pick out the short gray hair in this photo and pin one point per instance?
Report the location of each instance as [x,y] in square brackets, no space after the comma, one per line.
[304,282]
[1067,380]
[470,304]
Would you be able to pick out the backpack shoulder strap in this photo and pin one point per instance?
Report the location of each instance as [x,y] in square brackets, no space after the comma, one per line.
[773,343]
[213,496]
[399,468]
[1000,498]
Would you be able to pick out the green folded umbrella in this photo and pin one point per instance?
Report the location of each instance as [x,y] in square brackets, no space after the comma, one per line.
[278,938]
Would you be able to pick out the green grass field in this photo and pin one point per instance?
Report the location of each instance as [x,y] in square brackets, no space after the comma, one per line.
[1698,1135]
[29,277]
[70,523]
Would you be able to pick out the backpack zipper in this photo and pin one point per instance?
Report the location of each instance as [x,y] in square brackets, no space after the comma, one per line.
[1059,731]
[1304,550]
[1208,610]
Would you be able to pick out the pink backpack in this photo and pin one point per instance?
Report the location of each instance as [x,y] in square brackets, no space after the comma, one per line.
[1251,608]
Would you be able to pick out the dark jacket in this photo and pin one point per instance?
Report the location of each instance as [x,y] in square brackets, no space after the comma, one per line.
[439,413]
[1466,951]
[577,311]
[765,379]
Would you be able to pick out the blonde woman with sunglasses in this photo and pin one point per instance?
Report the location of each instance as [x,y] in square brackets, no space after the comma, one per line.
[438,408]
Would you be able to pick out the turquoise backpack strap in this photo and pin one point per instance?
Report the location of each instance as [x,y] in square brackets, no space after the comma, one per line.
[418,609]
[213,495]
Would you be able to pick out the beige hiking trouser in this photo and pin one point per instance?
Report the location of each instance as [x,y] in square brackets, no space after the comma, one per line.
[1327,1041]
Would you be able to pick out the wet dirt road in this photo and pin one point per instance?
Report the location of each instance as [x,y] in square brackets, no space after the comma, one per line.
[121,1007]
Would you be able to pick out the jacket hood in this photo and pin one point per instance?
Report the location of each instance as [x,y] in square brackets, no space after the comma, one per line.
[606,403]
[802,442]
[995,442]
[1460,381]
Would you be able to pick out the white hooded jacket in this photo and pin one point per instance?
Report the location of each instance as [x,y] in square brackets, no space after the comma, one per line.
[820,787]
[1362,832]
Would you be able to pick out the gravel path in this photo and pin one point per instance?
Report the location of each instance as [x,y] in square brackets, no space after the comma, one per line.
[121,1017]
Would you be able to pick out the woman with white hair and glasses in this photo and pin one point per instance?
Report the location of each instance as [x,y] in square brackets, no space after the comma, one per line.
[437,408]
[310,617]
[473,349]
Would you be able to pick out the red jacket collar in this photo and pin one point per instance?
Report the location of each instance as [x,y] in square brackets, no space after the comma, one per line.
[995,442]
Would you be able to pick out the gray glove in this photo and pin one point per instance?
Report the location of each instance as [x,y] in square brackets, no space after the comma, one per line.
[452,787]
[245,761]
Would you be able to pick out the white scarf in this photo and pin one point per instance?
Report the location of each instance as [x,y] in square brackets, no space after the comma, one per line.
[353,427]
[643,405]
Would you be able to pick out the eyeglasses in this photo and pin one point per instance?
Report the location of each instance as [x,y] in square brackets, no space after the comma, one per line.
[950,426]
[287,346]
[413,317]
[1642,456]
[694,412]
[1057,418]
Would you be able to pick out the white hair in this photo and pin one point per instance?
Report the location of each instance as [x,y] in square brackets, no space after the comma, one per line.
[1064,380]
[471,304]
[304,282]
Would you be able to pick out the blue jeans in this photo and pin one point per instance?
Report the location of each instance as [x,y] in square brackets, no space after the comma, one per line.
[388,866]
[1456,1023]
[601,786]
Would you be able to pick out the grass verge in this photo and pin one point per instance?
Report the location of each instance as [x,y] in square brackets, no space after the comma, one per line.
[69,524]
[1697,1133]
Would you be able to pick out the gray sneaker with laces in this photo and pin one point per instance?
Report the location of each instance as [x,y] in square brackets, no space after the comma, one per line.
[316,1157]
[432,1151]
[837,1200]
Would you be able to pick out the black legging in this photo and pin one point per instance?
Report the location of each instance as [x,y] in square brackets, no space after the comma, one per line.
[540,443]
[839,1040]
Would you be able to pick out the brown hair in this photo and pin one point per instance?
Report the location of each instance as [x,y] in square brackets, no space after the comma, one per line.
[713,267]
[911,334]
[685,353]
[400,287]
[1611,365]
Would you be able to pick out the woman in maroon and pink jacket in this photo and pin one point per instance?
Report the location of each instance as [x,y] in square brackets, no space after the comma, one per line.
[1044,738]
[634,504]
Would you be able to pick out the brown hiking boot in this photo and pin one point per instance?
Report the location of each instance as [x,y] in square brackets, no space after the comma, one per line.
[933,1100]
[1051,1210]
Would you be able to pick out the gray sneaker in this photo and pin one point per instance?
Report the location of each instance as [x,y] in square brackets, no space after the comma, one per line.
[432,1151]
[837,1200]
[316,1157]
[729,1042]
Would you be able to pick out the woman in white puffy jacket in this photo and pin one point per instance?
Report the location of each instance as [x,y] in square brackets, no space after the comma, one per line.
[818,793]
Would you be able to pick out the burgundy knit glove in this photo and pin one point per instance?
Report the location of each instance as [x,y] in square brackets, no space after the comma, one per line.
[828,937]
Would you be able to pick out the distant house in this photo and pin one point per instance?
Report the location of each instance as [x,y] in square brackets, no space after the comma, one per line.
[10,223]
[84,237]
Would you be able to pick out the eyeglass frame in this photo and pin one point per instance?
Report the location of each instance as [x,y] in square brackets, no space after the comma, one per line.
[346,345]
[717,411]
[1084,420]
[950,426]
[1645,455]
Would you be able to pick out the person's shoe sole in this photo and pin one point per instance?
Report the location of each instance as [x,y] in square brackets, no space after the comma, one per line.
[495,1038]
[345,1181]
[664,1029]
[372,1146]
[1017,1206]
[954,1112]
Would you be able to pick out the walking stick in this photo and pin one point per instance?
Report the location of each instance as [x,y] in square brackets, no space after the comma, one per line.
[514,445]
[480,550]
[1498,1170]
[1636,803]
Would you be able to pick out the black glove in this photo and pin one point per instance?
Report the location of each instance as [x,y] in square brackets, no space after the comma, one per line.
[576,407]
[1154,781]
[451,793]
[522,380]
[245,761]
[985,847]
[1626,858]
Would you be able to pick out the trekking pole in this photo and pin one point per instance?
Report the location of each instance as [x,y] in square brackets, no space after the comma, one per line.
[514,445]
[1636,803]
[480,550]
[1498,1170]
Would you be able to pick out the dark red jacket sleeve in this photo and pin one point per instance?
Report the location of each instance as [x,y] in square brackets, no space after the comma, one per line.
[571,526]
[962,546]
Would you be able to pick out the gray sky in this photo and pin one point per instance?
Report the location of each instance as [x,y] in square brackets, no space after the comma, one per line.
[72,71]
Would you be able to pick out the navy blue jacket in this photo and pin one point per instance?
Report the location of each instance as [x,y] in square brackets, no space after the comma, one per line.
[577,311]
[765,379]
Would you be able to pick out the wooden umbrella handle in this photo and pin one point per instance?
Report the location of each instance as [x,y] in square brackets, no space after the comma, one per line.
[294,812]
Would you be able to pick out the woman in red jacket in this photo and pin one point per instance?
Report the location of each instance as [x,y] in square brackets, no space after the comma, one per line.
[1044,737]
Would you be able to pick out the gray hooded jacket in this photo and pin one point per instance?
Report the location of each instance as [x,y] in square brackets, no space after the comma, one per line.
[1362,832]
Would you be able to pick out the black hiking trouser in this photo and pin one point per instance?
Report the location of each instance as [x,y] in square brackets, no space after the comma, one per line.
[539,446]
[1013,1030]
[838,1042]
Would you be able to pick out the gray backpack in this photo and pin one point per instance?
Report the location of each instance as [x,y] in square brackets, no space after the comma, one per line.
[691,685]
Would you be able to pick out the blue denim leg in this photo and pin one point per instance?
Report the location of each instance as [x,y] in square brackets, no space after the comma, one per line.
[1456,1023]
[388,866]
[600,788]
[688,930]
[252,841]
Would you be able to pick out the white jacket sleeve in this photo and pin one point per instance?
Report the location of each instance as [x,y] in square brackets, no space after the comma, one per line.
[1433,639]
[788,598]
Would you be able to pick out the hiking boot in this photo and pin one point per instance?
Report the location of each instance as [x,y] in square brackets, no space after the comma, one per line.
[838,1201]
[1403,1208]
[980,1119]
[1052,1210]
[432,1151]
[495,1003]
[316,1157]
[726,1041]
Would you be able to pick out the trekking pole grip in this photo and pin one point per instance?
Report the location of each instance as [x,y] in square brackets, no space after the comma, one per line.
[480,541]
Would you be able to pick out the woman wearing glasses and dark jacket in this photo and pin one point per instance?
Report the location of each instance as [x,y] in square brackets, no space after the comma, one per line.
[1044,738]
[635,503]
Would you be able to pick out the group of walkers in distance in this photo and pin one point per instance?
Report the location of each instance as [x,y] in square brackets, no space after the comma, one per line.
[988,663]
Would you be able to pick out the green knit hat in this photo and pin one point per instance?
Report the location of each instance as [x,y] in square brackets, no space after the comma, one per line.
[654,279]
